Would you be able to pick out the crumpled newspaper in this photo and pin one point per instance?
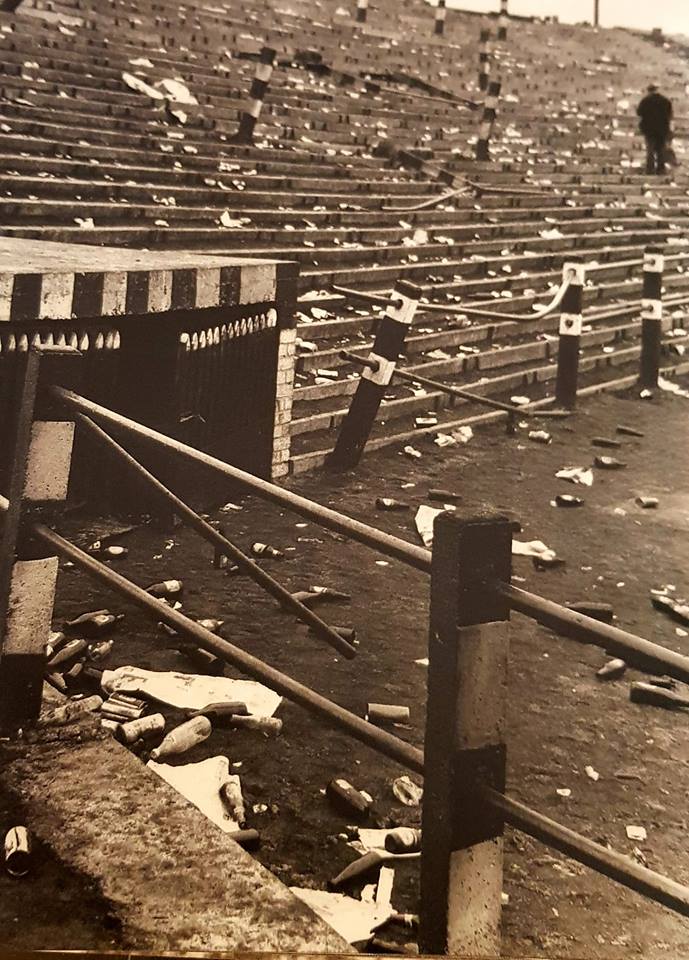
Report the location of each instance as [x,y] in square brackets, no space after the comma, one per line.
[200,784]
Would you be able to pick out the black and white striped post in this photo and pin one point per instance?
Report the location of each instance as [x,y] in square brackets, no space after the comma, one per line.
[490,112]
[484,60]
[462,850]
[259,85]
[571,321]
[39,465]
[503,18]
[375,376]
[651,317]
[440,15]
[361,11]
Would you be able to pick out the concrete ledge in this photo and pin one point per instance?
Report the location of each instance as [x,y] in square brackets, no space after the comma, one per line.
[174,880]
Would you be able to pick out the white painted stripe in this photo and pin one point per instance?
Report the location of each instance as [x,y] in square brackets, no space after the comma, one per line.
[405,312]
[491,103]
[264,71]
[440,13]
[383,375]
[6,287]
[208,287]
[257,283]
[654,262]
[254,108]
[484,130]
[570,324]
[114,294]
[159,291]
[578,271]
[49,460]
[362,4]
[32,594]
[57,291]
[652,309]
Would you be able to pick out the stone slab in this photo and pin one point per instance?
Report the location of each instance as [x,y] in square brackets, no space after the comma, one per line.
[174,880]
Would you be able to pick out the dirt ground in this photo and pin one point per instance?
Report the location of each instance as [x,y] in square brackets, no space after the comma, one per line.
[561,719]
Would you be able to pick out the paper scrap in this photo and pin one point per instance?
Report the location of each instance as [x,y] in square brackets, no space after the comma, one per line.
[352,919]
[189,691]
[200,784]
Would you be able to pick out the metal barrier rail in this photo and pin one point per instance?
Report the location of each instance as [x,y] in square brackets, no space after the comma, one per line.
[511,410]
[612,864]
[467,311]
[547,613]
[463,191]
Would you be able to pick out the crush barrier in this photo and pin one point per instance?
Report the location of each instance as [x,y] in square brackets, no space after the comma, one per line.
[380,366]
[465,804]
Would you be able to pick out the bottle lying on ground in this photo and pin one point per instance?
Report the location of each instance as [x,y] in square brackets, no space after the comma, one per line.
[611,670]
[347,633]
[347,799]
[166,589]
[403,840]
[222,710]
[382,713]
[265,550]
[272,726]
[66,655]
[183,738]
[93,624]
[143,728]
[640,692]
[231,796]
[389,503]
[17,851]
[70,711]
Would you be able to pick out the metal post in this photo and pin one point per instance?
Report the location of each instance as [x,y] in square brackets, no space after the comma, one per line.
[490,110]
[502,20]
[361,11]
[259,85]
[41,453]
[440,14]
[484,60]
[461,859]
[570,333]
[388,344]
[651,316]
[596,13]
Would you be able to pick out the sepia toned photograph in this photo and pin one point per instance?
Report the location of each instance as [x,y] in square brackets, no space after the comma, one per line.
[344,479]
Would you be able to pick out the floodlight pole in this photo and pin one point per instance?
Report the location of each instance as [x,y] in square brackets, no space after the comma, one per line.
[596,12]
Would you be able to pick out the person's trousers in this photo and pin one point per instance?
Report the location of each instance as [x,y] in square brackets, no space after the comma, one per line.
[655,153]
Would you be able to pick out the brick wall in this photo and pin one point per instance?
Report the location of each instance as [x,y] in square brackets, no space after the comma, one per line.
[284,395]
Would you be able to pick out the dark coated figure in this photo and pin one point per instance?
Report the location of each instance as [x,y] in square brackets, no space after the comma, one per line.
[655,112]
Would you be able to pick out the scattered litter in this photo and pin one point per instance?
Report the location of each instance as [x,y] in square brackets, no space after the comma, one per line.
[183,737]
[389,503]
[266,550]
[354,920]
[384,713]
[407,792]
[421,422]
[563,792]
[448,496]
[462,434]
[628,431]
[656,696]
[188,691]
[424,520]
[675,608]
[176,91]
[347,799]
[591,608]
[540,436]
[608,463]
[592,774]
[200,784]
[635,832]
[518,401]
[567,500]
[423,662]
[140,86]
[412,452]
[605,442]
[85,223]
[582,475]
[647,503]
[671,387]
[444,440]
[17,851]
[532,548]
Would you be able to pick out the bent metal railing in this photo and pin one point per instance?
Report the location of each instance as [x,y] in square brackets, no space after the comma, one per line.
[465,805]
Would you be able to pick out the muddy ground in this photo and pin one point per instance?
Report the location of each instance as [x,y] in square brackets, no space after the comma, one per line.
[561,719]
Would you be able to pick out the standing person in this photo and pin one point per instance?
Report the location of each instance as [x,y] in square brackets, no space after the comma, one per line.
[655,112]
